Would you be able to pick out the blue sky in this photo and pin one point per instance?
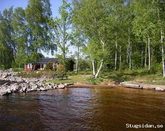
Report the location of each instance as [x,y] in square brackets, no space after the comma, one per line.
[55,4]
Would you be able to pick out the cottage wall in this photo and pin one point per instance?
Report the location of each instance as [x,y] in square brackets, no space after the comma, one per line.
[28,67]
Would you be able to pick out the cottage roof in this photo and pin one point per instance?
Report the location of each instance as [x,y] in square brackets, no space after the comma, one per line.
[47,60]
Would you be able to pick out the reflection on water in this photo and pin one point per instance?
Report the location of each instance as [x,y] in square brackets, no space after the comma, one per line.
[82,109]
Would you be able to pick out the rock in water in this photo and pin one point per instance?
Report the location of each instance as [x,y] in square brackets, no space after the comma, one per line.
[14,87]
[4,90]
[61,86]
[131,85]
[159,89]
[24,87]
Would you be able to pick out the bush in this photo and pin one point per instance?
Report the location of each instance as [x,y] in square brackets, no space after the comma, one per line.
[60,72]
[69,65]
[84,65]
[2,67]
[95,81]
[49,66]
[30,74]
[17,69]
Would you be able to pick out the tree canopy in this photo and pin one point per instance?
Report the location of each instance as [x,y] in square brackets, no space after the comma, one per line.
[113,34]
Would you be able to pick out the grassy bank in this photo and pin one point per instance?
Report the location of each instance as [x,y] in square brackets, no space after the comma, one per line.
[141,76]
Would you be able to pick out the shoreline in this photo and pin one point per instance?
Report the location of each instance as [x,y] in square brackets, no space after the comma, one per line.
[21,87]
[11,83]
[127,84]
[91,86]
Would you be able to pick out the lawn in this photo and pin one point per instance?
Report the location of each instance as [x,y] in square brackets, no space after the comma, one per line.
[78,79]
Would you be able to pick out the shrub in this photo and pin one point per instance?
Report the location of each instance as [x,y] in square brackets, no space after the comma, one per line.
[95,81]
[49,66]
[69,65]
[60,72]
[30,74]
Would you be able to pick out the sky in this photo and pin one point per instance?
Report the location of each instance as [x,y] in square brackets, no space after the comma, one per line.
[55,4]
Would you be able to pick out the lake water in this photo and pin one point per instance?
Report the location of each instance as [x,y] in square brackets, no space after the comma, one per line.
[82,109]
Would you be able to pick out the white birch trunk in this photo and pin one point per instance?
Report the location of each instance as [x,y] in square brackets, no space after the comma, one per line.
[149,53]
[163,67]
[145,59]
[100,67]
[77,62]
[93,68]
[127,55]
[120,59]
[116,46]
[142,58]
[129,51]
[101,63]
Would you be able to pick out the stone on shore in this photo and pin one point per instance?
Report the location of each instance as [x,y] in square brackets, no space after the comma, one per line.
[143,86]
[61,86]
[131,85]
[13,84]
[4,90]
[159,89]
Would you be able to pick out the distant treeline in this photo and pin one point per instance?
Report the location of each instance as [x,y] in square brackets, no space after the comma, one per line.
[112,34]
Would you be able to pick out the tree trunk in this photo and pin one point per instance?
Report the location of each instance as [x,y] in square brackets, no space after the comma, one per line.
[120,59]
[77,62]
[145,59]
[93,68]
[129,51]
[130,57]
[116,46]
[163,67]
[127,61]
[100,67]
[142,58]
[95,71]
[149,53]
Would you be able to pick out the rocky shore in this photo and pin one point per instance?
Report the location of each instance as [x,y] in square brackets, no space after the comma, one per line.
[11,83]
[135,85]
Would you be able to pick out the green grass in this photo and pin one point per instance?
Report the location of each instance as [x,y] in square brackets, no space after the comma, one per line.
[82,79]
[37,74]
[141,75]
[151,79]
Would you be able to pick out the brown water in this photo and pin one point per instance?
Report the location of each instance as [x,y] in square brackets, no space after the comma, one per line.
[76,109]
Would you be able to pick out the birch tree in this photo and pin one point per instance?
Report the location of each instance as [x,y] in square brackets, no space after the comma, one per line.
[78,41]
[144,25]
[90,17]
[7,43]
[160,9]
[62,29]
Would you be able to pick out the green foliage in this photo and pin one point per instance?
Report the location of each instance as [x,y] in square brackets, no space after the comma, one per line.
[7,44]
[36,74]
[18,69]
[69,66]
[38,15]
[61,29]
[30,75]
[111,34]
[94,81]
[60,72]
[49,66]
[84,65]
